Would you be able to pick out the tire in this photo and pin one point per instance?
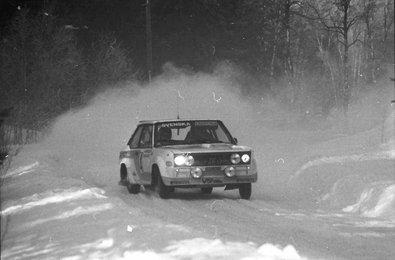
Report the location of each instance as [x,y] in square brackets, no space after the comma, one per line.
[161,188]
[245,191]
[207,190]
[123,172]
[133,188]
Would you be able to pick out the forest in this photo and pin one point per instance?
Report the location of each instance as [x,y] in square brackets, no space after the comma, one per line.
[310,55]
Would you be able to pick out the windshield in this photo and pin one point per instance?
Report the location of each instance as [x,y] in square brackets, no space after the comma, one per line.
[191,132]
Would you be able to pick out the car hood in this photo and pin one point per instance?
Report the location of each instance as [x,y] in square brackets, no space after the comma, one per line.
[201,148]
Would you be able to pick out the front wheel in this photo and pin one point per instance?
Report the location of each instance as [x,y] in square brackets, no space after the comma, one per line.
[245,191]
[162,189]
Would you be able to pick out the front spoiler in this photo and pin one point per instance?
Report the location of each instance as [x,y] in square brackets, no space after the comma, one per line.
[208,181]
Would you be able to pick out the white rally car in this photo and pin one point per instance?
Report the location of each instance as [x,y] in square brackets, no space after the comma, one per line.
[169,154]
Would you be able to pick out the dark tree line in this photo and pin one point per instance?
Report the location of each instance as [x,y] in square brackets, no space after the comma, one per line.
[44,70]
[311,55]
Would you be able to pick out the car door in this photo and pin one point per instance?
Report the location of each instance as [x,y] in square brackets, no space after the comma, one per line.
[134,154]
[145,154]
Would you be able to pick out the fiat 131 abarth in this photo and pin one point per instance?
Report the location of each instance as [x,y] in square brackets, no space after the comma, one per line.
[168,154]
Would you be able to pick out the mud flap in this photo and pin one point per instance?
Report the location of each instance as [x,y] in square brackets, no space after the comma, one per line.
[123,182]
[231,186]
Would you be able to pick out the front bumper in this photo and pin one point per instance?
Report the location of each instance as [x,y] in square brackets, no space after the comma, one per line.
[212,176]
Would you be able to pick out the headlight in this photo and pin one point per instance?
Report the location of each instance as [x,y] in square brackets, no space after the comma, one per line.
[186,160]
[179,160]
[230,171]
[245,158]
[196,173]
[235,158]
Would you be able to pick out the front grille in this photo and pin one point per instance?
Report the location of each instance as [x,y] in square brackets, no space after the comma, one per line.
[211,159]
[214,159]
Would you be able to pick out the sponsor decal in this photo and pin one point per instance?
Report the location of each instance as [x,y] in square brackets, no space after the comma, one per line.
[125,154]
[207,180]
[206,123]
[175,124]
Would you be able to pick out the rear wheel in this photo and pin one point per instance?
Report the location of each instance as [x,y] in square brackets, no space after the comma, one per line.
[245,191]
[132,187]
[207,190]
[123,175]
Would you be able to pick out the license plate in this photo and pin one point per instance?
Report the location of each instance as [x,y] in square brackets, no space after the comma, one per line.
[211,181]
[213,171]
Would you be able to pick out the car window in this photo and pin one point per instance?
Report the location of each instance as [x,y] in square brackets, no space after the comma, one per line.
[191,132]
[134,140]
[146,137]
[221,134]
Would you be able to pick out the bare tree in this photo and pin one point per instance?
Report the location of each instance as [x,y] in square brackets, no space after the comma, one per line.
[339,17]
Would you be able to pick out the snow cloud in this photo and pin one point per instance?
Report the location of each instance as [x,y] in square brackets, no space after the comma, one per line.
[88,140]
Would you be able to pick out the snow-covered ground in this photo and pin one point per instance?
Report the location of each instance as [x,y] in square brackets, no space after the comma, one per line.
[320,195]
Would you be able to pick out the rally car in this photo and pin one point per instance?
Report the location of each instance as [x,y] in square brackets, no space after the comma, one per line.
[168,154]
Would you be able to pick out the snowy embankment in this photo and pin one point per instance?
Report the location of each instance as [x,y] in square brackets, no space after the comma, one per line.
[368,190]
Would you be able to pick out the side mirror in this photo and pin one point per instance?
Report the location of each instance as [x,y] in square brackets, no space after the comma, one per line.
[235,140]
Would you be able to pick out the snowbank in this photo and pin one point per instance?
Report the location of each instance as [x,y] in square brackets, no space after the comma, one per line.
[200,248]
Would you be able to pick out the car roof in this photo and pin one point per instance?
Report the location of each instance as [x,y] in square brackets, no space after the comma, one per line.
[172,120]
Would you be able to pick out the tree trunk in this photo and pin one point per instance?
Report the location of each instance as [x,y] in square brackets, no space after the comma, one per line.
[289,72]
[346,84]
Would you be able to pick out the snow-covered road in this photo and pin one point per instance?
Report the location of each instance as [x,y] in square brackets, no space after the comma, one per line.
[53,208]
